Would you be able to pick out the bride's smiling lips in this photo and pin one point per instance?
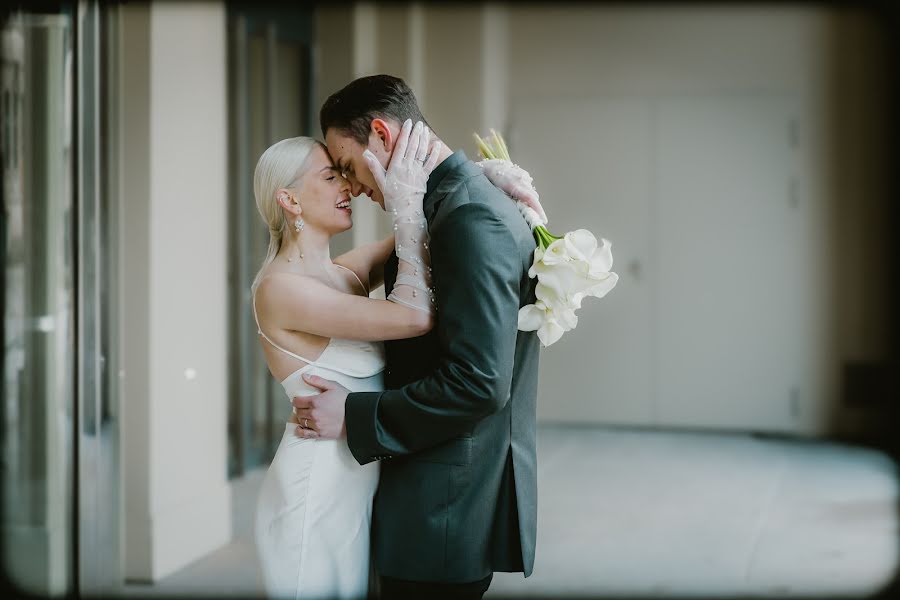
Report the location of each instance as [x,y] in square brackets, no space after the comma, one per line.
[344,204]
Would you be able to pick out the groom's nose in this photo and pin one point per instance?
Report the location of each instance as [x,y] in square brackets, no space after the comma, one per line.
[356,188]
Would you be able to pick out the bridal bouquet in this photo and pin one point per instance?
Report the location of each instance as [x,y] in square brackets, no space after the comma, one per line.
[568,268]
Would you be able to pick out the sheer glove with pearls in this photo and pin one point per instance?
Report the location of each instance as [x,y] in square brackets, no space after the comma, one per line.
[403,185]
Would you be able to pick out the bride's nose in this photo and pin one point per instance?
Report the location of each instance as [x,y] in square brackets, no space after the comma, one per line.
[345,184]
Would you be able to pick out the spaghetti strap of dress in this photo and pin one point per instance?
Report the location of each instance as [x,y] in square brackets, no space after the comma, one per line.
[355,276]
[268,339]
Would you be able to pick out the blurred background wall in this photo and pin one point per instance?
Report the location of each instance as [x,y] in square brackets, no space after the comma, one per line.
[174,281]
[738,157]
[723,148]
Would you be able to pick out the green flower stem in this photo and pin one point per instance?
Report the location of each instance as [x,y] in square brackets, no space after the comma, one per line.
[485,148]
[499,146]
[544,238]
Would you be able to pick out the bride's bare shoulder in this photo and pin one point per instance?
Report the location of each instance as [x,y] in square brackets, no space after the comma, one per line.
[278,288]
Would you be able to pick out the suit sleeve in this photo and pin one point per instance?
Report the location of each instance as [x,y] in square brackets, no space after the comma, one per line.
[477,274]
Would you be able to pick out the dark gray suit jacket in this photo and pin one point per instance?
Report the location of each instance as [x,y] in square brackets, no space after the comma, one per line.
[457,499]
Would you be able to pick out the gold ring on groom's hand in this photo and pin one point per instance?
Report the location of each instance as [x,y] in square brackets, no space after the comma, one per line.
[305,423]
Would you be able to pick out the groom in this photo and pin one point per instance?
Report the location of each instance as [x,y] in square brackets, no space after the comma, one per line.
[457,497]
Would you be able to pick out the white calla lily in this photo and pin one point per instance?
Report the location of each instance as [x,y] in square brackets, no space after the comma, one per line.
[551,295]
[568,269]
[537,263]
[531,317]
[549,324]
[556,253]
[557,306]
[601,260]
[550,332]
[580,244]
[565,282]
[566,318]
[599,290]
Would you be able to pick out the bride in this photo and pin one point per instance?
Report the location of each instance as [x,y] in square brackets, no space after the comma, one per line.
[314,317]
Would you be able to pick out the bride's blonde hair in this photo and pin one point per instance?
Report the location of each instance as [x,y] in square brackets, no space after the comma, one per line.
[281,164]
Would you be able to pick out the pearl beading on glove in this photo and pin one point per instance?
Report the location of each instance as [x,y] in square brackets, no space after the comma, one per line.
[413,286]
[518,184]
[403,185]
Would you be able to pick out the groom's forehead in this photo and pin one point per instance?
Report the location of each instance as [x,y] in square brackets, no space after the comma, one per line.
[339,145]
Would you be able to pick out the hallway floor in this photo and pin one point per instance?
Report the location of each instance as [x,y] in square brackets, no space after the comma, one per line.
[632,513]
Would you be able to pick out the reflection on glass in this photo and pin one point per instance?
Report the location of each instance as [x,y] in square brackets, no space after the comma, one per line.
[270,81]
[38,351]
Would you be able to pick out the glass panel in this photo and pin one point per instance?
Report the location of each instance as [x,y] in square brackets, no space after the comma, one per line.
[238,259]
[99,560]
[38,306]
[258,238]
[270,90]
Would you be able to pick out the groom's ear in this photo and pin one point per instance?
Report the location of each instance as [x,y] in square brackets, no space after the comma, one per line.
[382,134]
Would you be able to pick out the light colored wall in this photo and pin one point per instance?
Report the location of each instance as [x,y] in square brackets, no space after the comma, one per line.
[333,68]
[355,41]
[174,277]
[453,84]
[454,58]
[367,216]
[449,55]
[392,52]
[135,335]
[334,52]
[480,66]
[652,55]
[495,64]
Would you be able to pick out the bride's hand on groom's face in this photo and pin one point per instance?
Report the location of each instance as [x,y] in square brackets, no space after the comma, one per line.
[322,415]
[414,157]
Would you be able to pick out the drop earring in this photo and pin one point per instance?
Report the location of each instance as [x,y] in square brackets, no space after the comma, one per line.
[298,225]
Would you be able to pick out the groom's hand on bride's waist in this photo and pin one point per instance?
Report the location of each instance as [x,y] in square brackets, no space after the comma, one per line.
[321,415]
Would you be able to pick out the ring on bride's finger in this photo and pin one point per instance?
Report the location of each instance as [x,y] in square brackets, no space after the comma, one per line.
[305,423]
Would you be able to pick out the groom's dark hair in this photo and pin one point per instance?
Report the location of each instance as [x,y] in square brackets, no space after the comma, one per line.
[351,109]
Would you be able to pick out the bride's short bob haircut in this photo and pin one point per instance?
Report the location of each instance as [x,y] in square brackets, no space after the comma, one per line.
[351,109]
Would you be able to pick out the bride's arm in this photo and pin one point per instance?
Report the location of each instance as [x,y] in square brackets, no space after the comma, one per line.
[368,260]
[301,303]
[305,304]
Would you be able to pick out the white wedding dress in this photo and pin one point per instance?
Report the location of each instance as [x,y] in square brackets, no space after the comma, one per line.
[315,507]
